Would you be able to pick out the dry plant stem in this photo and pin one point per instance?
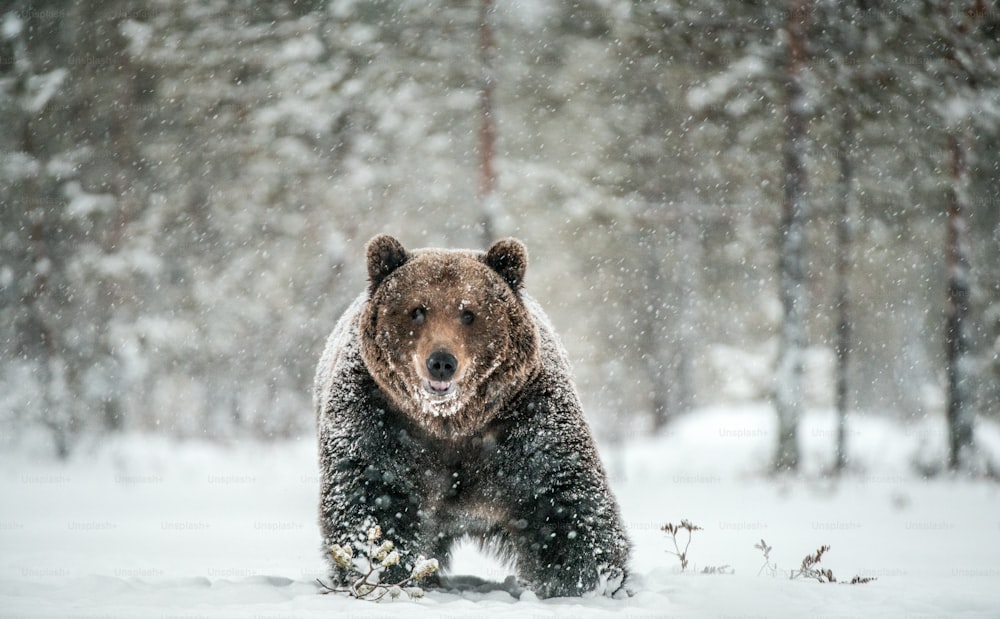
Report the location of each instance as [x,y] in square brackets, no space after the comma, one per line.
[673,529]
[363,588]
[772,568]
[809,567]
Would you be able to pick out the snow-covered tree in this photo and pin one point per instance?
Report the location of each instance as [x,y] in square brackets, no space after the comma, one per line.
[791,259]
[187,186]
[970,74]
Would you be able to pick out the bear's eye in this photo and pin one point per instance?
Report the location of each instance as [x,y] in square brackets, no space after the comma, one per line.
[468,317]
[418,315]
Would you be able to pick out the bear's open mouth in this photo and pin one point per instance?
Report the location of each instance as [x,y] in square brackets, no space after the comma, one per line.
[439,388]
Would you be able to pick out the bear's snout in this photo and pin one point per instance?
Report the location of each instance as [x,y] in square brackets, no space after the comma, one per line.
[442,366]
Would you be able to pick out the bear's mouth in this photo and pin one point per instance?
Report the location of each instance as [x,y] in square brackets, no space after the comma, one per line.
[439,388]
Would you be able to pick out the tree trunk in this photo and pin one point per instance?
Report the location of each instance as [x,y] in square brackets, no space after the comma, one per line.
[666,308]
[486,193]
[690,287]
[960,412]
[123,140]
[54,414]
[652,334]
[791,267]
[845,238]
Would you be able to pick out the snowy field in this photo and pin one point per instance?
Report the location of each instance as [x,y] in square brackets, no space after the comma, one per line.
[144,527]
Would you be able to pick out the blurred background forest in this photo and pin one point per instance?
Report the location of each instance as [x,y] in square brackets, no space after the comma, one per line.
[187,187]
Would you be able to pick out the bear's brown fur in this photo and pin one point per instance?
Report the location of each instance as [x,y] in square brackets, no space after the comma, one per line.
[496,352]
[445,409]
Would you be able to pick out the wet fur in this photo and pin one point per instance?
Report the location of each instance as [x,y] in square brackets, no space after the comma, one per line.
[514,468]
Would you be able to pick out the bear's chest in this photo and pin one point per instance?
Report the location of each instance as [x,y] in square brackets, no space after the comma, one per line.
[459,474]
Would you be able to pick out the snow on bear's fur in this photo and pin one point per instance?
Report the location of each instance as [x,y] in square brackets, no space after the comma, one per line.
[445,409]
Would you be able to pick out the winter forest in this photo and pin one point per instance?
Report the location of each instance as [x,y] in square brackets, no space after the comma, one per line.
[733,202]
[788,209]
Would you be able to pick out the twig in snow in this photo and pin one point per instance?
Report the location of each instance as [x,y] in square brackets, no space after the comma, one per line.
[673,530]
[365,583]
[770,568]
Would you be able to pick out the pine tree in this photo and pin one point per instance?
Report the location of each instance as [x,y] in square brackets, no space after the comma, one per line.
[967,69]
[35,311]
[791,260]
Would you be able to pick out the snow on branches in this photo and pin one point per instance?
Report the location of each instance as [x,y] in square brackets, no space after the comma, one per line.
[365,572]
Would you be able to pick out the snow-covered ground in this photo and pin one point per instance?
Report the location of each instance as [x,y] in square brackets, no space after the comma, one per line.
[145,527]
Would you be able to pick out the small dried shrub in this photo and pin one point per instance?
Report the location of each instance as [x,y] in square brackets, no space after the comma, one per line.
[673,530]
[365,572]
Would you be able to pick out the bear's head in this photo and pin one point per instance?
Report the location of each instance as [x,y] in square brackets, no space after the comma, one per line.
[445,333]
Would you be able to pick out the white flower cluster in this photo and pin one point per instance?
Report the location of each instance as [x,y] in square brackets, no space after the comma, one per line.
[342,555]
[366,572]
[385,554]
[424,567]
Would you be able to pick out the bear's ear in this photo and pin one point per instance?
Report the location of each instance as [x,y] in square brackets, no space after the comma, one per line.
[385,255]
[509,258]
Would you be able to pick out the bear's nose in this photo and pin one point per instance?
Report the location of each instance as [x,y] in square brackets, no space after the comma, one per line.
[442,365]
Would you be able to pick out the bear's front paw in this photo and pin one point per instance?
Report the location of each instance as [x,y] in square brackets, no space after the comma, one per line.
[612,582]
[608,580]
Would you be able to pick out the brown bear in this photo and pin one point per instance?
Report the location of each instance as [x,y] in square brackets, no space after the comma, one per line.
[445,409]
